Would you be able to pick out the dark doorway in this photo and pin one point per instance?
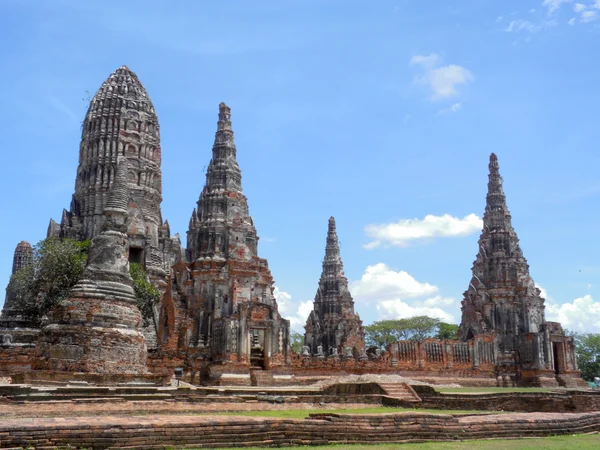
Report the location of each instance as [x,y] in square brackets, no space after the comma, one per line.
[555,354]
[136,255]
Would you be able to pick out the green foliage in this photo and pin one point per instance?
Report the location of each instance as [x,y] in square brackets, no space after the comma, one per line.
[447,331]
[587,347]
[384,332]
[296,341]
[57,266]
[146,294]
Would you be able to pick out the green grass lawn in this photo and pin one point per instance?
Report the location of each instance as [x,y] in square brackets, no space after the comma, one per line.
[303,413]
[570,442]
[488,390]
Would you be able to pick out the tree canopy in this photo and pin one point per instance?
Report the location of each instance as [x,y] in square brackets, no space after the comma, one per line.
[384,332]
[57,266]
[296,341]
[587,347]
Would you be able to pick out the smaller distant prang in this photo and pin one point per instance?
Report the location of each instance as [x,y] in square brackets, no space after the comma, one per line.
[332,324]
[19,324]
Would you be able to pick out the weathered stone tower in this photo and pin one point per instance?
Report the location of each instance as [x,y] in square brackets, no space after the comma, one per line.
[121,121]
[332,324]
[224,296]
[18,320]
[97,328]
[502,297]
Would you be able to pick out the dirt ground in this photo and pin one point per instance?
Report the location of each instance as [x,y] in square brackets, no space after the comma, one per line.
[137,408]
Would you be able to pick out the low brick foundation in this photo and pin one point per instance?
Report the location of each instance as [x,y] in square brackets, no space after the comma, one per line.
[566,401]
[228,431]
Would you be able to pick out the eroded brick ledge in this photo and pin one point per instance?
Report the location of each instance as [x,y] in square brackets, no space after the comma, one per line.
[225,431]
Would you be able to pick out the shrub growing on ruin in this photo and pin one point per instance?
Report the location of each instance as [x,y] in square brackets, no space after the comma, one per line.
[57,266]
[146,294]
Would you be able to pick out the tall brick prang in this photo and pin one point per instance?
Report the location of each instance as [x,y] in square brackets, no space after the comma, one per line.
[502,298]
[225,292]
[97,328]
[332,324]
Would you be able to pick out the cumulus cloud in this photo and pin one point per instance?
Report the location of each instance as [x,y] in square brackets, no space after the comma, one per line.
[581,315]
[443,81]
[397,309]
[571,21]
[295,312]
[379,281]
[450,110]
[522,25]
[408,231]
[579,7]
[397,294]
[554,5]
[428,61]
[589,16]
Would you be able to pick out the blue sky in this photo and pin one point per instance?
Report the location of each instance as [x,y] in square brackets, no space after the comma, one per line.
[382,114]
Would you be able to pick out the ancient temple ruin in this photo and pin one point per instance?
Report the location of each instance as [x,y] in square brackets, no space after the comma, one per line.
[221,305]
[18,321]
[503,300]
[218,315]
[121,120]
[97,328]
[333,326]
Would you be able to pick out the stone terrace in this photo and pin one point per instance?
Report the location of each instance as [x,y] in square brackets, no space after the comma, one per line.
[214,431]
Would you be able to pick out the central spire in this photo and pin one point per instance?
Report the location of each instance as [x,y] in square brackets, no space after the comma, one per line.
[221,225]
[223,170]
[332,248]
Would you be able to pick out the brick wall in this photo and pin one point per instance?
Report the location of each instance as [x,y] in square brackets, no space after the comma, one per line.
[224,431]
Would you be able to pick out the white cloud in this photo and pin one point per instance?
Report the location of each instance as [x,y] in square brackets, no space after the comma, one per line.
[571,21]
[522,25]
[499,19]
[554,5]
[428,61]
[597,4]
[397,309]
[452,109]
[295,312]
[443,81]
[589,16]
[578,7]
[379,281]
[581,315]
[407,231]
[397,294]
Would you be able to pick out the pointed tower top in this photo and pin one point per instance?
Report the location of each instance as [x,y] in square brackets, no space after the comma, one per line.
[332,223]
[332,249]
[23,256]
[224,118]
[495,200]
[118,199]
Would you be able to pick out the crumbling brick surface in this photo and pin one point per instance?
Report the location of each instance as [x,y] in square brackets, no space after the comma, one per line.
[224,431]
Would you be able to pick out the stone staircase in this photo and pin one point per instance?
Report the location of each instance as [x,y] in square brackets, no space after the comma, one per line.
[260,377]
[400,391]
[571,382]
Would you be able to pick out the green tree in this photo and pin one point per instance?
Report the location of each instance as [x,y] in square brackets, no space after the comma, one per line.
[447,331]
[57,266]
[587,347]
[296,341]
[146,294]
[384,332]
